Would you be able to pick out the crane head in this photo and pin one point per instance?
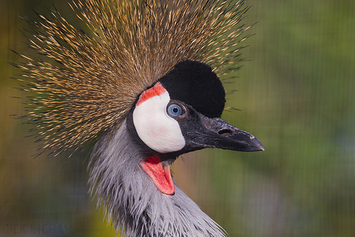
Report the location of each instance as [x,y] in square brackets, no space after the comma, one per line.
[181,113]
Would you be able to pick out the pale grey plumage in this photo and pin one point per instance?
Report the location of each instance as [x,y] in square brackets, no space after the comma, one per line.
[133,202]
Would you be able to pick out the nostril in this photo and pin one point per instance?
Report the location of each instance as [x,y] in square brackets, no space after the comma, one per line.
[225,132]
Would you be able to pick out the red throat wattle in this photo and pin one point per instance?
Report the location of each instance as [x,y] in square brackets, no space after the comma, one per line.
[160,175]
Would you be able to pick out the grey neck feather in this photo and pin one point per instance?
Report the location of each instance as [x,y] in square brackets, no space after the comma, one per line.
[132,201]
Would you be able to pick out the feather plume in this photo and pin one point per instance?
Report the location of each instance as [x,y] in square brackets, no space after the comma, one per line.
[86,83]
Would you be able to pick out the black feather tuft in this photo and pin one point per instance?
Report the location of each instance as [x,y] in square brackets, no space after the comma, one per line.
[197,85]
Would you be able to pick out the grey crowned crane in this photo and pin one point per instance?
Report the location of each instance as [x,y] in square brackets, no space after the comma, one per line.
[141,77]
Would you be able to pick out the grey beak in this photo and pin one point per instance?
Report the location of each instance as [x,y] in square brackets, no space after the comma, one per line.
[207,132]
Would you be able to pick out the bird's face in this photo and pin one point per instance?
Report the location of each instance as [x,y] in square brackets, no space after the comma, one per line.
[180,113]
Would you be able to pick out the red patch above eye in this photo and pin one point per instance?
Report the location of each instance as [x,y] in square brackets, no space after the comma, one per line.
[157,89]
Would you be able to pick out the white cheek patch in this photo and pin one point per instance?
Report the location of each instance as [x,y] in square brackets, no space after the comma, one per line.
[155,127]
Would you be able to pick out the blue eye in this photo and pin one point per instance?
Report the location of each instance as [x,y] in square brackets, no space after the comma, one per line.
[175,110]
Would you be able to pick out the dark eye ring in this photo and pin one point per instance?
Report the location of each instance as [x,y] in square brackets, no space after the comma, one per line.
[175,110]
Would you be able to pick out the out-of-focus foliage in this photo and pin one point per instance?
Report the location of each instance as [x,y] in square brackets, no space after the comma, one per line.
[296,95]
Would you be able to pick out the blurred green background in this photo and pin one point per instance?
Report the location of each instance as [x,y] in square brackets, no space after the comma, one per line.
[295,93]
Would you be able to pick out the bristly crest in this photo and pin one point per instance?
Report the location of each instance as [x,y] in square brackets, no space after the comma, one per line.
[87,83]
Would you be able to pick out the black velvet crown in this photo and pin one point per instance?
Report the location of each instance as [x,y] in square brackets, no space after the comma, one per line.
[195,84]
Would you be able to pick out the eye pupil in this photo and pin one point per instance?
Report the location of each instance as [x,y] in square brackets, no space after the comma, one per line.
[175,110]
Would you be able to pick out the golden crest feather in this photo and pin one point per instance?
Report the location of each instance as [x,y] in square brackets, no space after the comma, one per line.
[88,82]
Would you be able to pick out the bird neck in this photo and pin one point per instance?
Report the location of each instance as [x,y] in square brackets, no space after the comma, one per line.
[130,198]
